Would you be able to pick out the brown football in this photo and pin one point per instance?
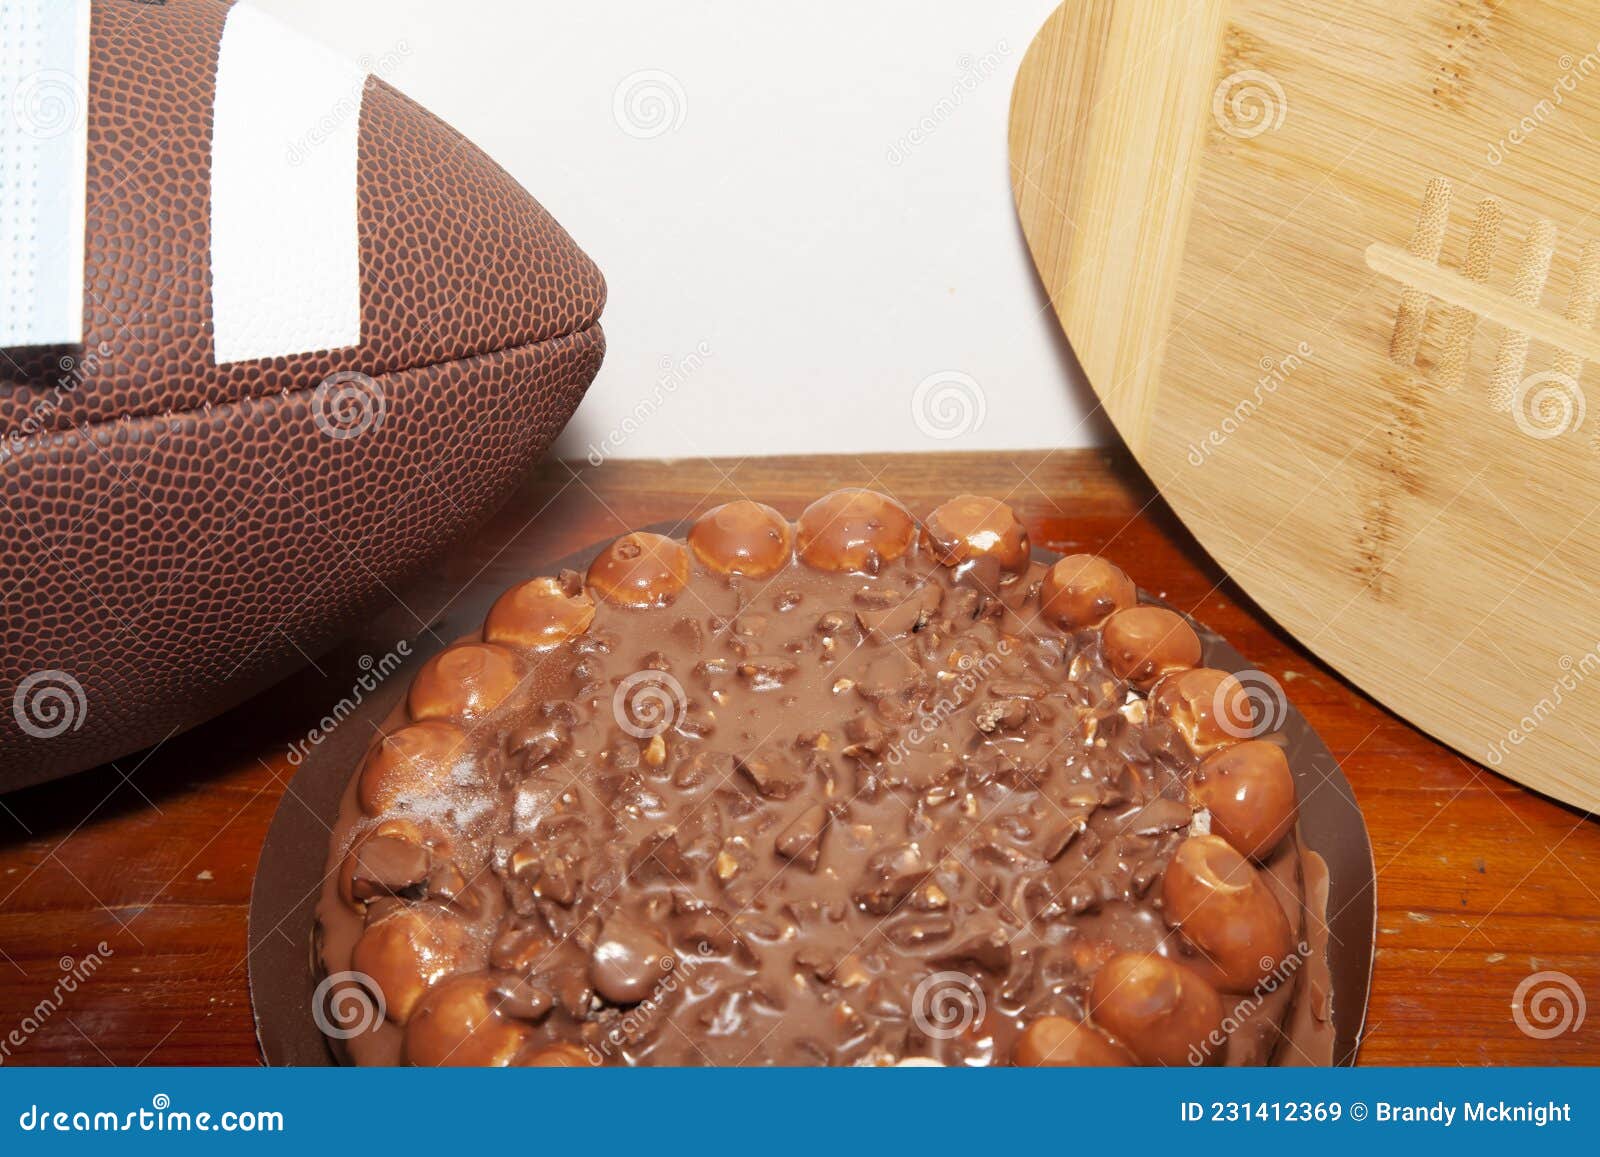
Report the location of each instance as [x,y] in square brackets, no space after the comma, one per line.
[315,338]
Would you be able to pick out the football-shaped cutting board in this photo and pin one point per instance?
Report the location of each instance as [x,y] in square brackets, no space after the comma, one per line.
[1332,268]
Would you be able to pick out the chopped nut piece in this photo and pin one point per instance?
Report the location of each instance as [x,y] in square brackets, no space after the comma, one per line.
[1061,836]
[801,841]
[772,777]
[767,672]
[888,876]
[733,860]
[1160,815]
[866,735]
[1000,715]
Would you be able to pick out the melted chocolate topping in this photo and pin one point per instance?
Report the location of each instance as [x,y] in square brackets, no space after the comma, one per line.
[806,818]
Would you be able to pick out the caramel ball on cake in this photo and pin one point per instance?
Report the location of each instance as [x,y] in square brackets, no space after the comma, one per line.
[1060,1042]
[1224,907]
[1162,1011]
[1082,589]
[1142,644]
[466,681]
[1249,791]
[409,830]
[539,614]
[413,763]
[640,570]
[561,1055]
[629,959]
[854,530]
[459,1023]
[407,952]
[744,538]
[1210,708]
[383,864]
[970,527]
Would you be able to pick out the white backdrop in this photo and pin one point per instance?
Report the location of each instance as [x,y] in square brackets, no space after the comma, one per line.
[802,212]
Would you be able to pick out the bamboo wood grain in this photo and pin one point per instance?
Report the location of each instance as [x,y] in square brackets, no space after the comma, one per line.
[1331,269]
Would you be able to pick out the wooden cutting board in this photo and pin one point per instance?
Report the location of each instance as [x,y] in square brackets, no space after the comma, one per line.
[1332,269]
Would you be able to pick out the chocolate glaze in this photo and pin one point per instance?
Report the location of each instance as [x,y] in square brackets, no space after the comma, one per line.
[812,818]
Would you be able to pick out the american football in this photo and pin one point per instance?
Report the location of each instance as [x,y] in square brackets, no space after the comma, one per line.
[274,337]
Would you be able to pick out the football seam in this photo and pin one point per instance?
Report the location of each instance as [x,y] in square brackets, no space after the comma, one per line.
[55,437]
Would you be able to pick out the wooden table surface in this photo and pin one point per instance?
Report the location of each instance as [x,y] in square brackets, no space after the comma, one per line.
[124,890]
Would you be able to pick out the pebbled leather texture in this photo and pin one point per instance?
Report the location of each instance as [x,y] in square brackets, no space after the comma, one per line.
[174,534]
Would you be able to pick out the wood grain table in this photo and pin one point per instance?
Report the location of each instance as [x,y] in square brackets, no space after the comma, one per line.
[124,890]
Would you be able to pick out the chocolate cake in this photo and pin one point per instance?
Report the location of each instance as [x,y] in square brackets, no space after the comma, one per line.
[859,790]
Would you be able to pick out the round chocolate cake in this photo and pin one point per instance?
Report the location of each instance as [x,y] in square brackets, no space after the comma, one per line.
[857,790]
